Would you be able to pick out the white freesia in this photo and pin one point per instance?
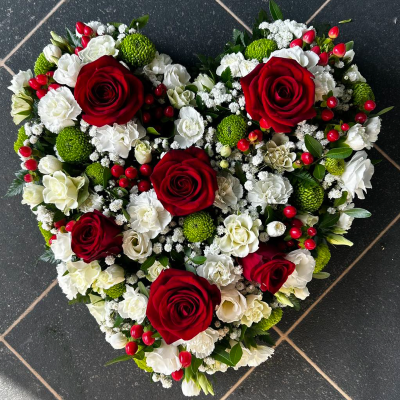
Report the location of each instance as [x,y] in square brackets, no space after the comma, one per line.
[175,75]
[133,306]
[97,308]
[256,310]
[189,126]
[58,109]
[356,137]
[357,174]
[155,270]
[233,305]
[232,61]
[147,214]
[204,82]
[111,276]
[306,59]
[164,359]
[157,65]
[137,246]
[353,74]
[203,344]
[229,191]
[190,388]
[98,47]
[218,270]
[20,81]
[372,129]
[117,340]
[52,53]
[32,195]
[276,228]
[61,246]
[143,152]
[49,164]
[67,71]
[179,97]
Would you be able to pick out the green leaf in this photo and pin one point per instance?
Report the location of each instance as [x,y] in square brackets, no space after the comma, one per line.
[345,21]
[341,200]
[275,11]
[163,260]
[283,299]
[80,298]
[199,259]
[222,356]
[313,146]
[349,45]
[376,162]
[205,384]
[192,88]
[73,39]
[295,301]
[321,275]
[118,321]
[358,213]
[139,23]
[236,353]
[338,239]
[106,176]
[384,111]
[148,263]
[328,220]
[304,177]
[17,185]
[226,75]
[152,131]
[339,152]
[195,364]
[48,256]
[179,257]
[269,212]
[319,172]
[240,174]
[188,374]
[125,357]
[143,289]
[190,268]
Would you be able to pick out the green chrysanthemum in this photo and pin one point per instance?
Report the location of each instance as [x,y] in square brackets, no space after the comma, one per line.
[198,227]
[267,323]
[137,50]
[259,49]
[231,129]
[95,173]
[308,198]
[42,65]
[73,145]
[116,291]
[143,365]
[323,257]
[361,93]
[334,166]
[22,136]
[46,234]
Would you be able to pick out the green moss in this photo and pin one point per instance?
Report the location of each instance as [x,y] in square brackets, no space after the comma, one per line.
[198,227]
[22,136]
[231,129]
[42,65]
[334,166]
[116,291]
[137,50]
[308,198]
[259,49]
[73,145]
[323,257]
[95,173]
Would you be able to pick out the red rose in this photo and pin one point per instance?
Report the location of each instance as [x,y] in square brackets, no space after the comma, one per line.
[279,94]
[95,236]
[268,267]
[181,304]
[108,92]
[184,181]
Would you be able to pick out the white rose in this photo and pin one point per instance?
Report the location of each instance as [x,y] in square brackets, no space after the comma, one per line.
[137,246]
[49,165]
[190,388]
[189,126]
[229,191]
[233,62]
[20,81]
[98,47]
[164,359]
[218,270]
[276,228]
[306,59]
[180,98]
[62,190]
[354,75]
[356,137]
[117,340]
[20,103]
[148,215]
[143,152]
[67,71]
[204,82]
[203,344]
[61,246]
[155,270]
[241,236]
[133,306]
[32,195]
[52,53]
[97,308]
[157,65]
[256,310]
[357,174]
[297,281]
[58,109]
[175,75]
[111,276]
[372,129]
[233,305]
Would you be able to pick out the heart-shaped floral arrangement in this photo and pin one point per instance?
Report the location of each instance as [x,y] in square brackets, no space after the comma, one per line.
[188,211]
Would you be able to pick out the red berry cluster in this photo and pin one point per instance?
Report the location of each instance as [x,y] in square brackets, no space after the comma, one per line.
[87,34]
[127,178]
[43,83]
[254,137]
[31,164]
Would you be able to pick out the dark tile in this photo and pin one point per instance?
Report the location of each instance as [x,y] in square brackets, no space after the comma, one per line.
[22,278]
[356,342]
[17,382]
[286,376]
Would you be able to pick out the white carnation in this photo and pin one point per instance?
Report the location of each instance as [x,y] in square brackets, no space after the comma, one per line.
[98,47]
[229,191]
[68,69]
[134,305]
[61,246]
[203,344]
[175,75]
[218,270]
[20,81]
[164,359]
[256,310]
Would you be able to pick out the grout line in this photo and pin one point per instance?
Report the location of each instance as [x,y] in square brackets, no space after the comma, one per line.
[8,69]
[318,11]
[33,371]
[318,369]
[229,11]
[29,309]
[52,11]
[390,159]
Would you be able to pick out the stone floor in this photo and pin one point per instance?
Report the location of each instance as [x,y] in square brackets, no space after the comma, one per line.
[342,344]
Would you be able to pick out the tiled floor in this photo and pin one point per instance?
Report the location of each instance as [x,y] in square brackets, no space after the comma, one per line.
[344,341]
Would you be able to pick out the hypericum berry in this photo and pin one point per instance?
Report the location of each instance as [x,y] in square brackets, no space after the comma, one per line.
[146,170]
[149,99]
[310,244]
[117,170]
[28,178]
[311,231]
[50,74]
[309,36]
[296,223]
[361,117]
[54,86]
[289,211]
[332,102]
[159,112]
[123,182]
[327,115]
[316,50]
[77,50]
[131,348]
[290,243]
[131,173]
[369,105]
[253,136]
[169,111]
[42,79]
[345,127]
[339,50]
[80,26]
[34,84]
[333,135]
[137,331]
[177,375]
[87,31]
[295,233]
[185,358]
[59,224]
[144,186]
[31,165]
[296,42]
[307,158]
[323,59]
[160,90]
[85,41]
[70,226]
[333,32]
[51,240]
[243,145]
[40,93]
[147,338]
[25,151]
[146,117]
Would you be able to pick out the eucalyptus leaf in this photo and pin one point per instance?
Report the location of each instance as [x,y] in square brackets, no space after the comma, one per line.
[321,275]
[199,259]
[328,220]
[358,213]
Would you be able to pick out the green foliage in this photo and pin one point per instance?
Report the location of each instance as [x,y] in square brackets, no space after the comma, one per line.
[319,172]
[139,23]
[339,152]
[358,213]
[22,136]
[275,11]
[313,146]
[17,185]
[48,256]
[46,234]
[137,50]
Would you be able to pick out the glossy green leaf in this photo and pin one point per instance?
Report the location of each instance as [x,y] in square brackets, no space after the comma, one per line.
[339,152]
[319,172]
[275,11]
[313,146]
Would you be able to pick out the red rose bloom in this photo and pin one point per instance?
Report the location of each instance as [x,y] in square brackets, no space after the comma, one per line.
[108,92]
[181,304]
[279,94]
[96,236]
[184,181]
[268,267]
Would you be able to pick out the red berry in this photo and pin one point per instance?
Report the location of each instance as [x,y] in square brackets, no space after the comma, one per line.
[34,84]
[149,99]
[31,165]
[295,233]
[28,178]
[131,173]
[369,105]
[253,136]
[339,50]
[243,145]
[177,375]
[169,112]
[311,231]
[87,31]
[25,151]
[42,79]
[309,244]
[259,134]
[361,117]
[54,237]
[144,186]
[123,182]
[50,74]
[146,117]
[85,41]
[77,50]
[158,113]
[309,36]
[185,358]
[147,338]
[137,331]
[333,135]
[146,170]
[345,127]
[41,93]
[316,50]
[296,42]
[80,26]
[289,212]
[117,170]
[54,86]
[131,348]
[290,243]
[70,226]
[323,59]
[160,90]
[327,115]
[297,223]
[332,102]
[333,32]
[307,158]
[59,223]
[264,124]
